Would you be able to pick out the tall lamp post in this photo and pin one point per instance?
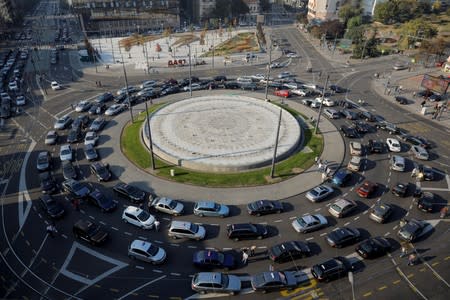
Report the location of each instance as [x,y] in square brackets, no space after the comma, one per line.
[128,92]
[268,72]
[190,72]
[150,138]
[272,170]
[321,104]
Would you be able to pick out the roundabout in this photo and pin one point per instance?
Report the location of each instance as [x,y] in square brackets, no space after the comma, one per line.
[221,133]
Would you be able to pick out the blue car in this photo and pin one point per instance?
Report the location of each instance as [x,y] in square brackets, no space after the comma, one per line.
[210,259]
[341,177]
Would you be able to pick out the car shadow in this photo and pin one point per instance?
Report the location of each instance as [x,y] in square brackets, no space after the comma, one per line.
[368,164]
[212,231]
[398,213]
[104,152]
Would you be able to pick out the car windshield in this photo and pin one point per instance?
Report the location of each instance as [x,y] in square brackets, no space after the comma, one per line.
[143,216]
[102,199]
[336,207]
[92,228]
[65,152]
[172,204]
[152,250]
[194,227]
[314,192]
[42,159]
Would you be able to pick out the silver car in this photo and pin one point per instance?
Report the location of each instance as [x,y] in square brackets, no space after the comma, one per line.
[90,152]
[97,124]
[167,205]
[319,193]
[63,123]
[211,209]
[51,138]
[65,153]
[309,223]
[215,282]
[147,252]
[420,152]
[186,230]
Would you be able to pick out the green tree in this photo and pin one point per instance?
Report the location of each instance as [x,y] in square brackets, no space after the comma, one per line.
[385,12]
[354,22]
[416,30]
[348,11]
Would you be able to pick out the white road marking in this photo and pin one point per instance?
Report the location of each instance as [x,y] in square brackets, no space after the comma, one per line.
[157,271]
[128,233]
[292,218]
[175,245]
[346,224]
[103,223]
[365,212]
[142,286]
[158,242]
[317,209]
[175,274]
[262,247]
[64,236]
[92,217]
[322,234]
[387,233]
[310,238]
[139,267]
[278,221]
[142,238]
[395,227]
[345,194]
[114,228]
[355,219]
[192,247]
[23,193]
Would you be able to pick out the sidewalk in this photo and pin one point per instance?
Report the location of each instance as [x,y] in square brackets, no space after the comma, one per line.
[334,151]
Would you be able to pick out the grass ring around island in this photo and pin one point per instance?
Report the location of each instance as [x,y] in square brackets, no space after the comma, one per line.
[134,149]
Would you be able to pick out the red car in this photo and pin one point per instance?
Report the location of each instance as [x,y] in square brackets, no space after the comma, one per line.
[283,93]
[366,189]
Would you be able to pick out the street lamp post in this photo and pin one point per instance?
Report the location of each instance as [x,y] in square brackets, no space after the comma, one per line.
[268,73]
[321,104]
[272,170]
[128,92]
[152,157]
[190,72]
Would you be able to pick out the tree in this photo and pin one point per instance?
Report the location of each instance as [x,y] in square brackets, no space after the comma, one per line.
[385,12]
[354,22]
[348,11]
[416,30]
[332,28]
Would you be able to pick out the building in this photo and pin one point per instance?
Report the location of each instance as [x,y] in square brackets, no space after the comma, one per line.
[127,16]
[323,9]
[253,6]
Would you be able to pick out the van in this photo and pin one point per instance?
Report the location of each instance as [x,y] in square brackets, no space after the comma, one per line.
[355,148]
[244,79]
[331,113]
[397,163]
[354,164]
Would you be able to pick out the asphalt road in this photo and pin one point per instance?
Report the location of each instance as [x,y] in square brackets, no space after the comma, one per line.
[35,264]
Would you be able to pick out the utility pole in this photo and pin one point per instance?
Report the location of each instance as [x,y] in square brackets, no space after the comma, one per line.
[152,157]
[128,92]
[272,170]
[190,72]
[321,104]
[268,72]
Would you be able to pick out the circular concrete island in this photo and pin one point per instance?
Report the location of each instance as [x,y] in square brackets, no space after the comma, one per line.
[221,133]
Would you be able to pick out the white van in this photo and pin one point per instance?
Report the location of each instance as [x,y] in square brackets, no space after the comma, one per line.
[244,79]
[355,148]
[397,163]
[331,113]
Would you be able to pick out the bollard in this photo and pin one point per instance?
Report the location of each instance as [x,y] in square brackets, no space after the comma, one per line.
[172,172]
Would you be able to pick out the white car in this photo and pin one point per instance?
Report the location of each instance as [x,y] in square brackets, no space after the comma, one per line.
[393,145]
[147,84]
[194,87]
[83,106]
[66,153]
[13,86]
[326,101]
[51,138]
[147,252]
[258,76]
[292,55]
[138,217]
[20,100]
[284,75]
[91,138]
[55,86]
[299,92]
[315,103]
[115,109]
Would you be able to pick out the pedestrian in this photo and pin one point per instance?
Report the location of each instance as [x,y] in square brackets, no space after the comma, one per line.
[414,94]
[99,83]
[444,212]
[271,268]
[72,106]
[422,104]
[389,92]
[411,259]
[157,223]
[404,251]
[51,230]
[244,256]
[252,250]
[414,172]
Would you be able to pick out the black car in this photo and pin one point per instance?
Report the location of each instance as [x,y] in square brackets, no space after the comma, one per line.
[373,247]
[367,116]
[288,251]
[349,131]
[343,236]
[48,183]
[426,202]
[348,114]
[401,99]
[400,189]
[341,177]
[170,90]
[121,98]
[416,140]
[105,97]
[424,93]
[90,232]
[337,89]
[52,207]
[76,188]
[412,230]
[97,109]
[386,126]
[334,268]
[427,171]
[246,231]
[435,97]
[274,281]
[220,78]
[100,200]
[81,122]
[376,146]
[74,135]
[211,259]
[264,207]
[68,170]
[129,192]
[231,85]
[361,127]
[100,171]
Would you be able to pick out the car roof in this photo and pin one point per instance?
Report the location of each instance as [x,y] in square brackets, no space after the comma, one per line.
[210,277]
[343,202]
[206,204]
[133,210]
[181,224]
[141,245]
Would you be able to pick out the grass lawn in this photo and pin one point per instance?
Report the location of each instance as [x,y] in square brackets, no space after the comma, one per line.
[135,151]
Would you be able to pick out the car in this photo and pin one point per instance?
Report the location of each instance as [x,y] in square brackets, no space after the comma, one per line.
[426,202]
[373,247]
[97,124]
[416,140]
[343,236]
[282,93]
[51,138]
[308,223]
[393,145]
[193,87]
[44,161]
[273,281]
[419,152]
[355,148]
[90,232]
[169,90]
[99,199]
[400,66]
[68,170]
[354,164]
[248,86]
[105,97]
[284,75]
[386,126]
[381,212]
[20,100]
[275,65]
[91,138]
[220,78]
[412,230]
[63,122]
[74,135]
[52,208]
[300,92]
[81,122]
[342,207]
[341,177]
[167,205]
[337,89]
[424,93]
[326,101]
[184,229]
[348,114]
[375,146]
[101,171]
[319,193]
[115,109]
[366,189]
[83,106]
[334,268]
[400,189]
[401,100]
[314,103]
[147,84]
[66,153]
[367,116]
[292,55]
[426,171]
[242,231]
[264,207]
[231,85]
[331,113]
[146,251]
[48,183]
[215,282]
[435,97]
[138,217]
[210,209]
[90,152]
[349,131]
[97,109]
[211,259]
[361,126]
[131,89]
[131,193]
[288,251]
[397,163]
[55,85]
